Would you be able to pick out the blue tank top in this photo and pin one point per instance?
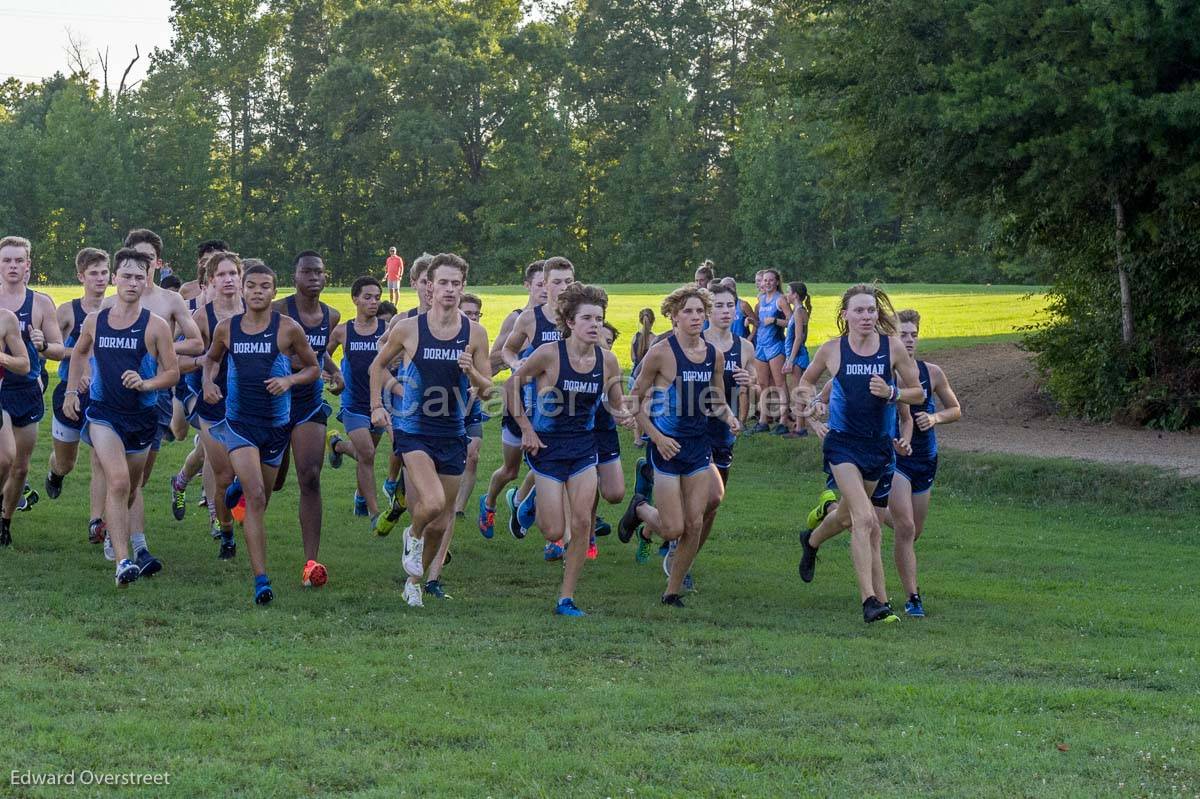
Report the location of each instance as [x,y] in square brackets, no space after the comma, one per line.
[116,351]
[78,314]
[252,360]
[25,324]
[195,379]
[569,406]
[790,338]
[768,333]
[435,389]
[193,304]
[356,367]
[739,326]
[318,339]
[719,428]
[924,442]
[853,409]
[679,410]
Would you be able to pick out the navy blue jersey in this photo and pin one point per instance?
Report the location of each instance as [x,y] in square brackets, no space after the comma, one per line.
[411,312]
[544,331]
[435,388]
[115,352]
[252,360]
[24,325]
[318,339]
[360,351]
[717,427]
[604,419]
[78,315]
[924,442]
[195,380]
[678,410]
[569,406]
[853,409]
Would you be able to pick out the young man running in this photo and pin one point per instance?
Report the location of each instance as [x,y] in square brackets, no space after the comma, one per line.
[193,289]
[510,434]
[91,268]
[132,359]
[680,385]
[858,448]
[262,345]
[310,412]
[360,339]
[610,477]
[21,394]
[444,354]
[14,359]
[570,377]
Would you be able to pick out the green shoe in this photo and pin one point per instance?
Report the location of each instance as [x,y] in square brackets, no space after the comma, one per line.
[645,547]
[817,514]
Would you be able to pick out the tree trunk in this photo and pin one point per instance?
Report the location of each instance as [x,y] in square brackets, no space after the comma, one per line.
[1123,274]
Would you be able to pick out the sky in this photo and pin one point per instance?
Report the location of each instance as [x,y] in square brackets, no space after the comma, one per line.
[35,35]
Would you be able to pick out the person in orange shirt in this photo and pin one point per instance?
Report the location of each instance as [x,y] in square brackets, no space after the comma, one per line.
[395,273]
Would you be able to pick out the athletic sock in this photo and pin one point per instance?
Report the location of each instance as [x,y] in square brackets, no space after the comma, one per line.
[179,482]
[227,536]
[138,542]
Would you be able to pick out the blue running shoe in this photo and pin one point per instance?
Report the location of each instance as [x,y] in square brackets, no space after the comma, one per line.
[643,479]
[566,607]
[514,526]
[553,551]
[527,510]
[664,549]
[148,565]
[360,505]
[688,583]
[389,487]
[233,494]
[602,528]
[913,607]
[262,590]
[669,560]
[335,457]
[127,572]
[487,518]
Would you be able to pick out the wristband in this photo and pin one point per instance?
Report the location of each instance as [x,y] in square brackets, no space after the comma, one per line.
[893,394]
[71,393]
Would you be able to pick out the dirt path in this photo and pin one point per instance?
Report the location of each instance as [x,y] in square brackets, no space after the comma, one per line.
[1003,412]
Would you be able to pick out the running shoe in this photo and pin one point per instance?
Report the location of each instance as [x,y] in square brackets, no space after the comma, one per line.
[109,553]
[233,494]
[688,583]
[761,427]
[147,564]
[669,560]
[643,479]
[553,551]
[412,594]
[817,514]
[566,607]
[335,457]
[808,558]
[178,498]
[874,610]
[630,523]
[602,528]
[487,518]
[314,575]
[414,549]
[5,533]
[663,549]
[54,484]
[29,498]
[592,552]
[387,522]
[527,511]
[360,505]
[203,501]
[435,589]
[672,600]
[214,528]
[97,531]
[389,487]
[780,430]
[127,572]
[262,590]
[644,548]
[227,551]
[514,526]
[914,607]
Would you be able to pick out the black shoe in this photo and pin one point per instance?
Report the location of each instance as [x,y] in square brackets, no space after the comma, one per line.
[227,551]
[874,610]
[434,589]
[629,521]
[808,557]
[148,564]
[673,600]
[5,533]
[54,484]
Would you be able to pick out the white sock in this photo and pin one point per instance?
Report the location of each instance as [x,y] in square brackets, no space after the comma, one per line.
[137,541]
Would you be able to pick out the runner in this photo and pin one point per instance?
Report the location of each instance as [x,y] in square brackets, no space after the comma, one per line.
[681,383]
[796,358]
[14,359]
[643,338]
[394,271]
[858,448]
[21,394]
[443,355]
[194,289]
[610,477]
[132,359]
[773,314]
[262,345]
[570,376]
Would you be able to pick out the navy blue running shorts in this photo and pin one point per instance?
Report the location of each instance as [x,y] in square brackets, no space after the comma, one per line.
[872,456]
[694,456]
[563,457]
[136,430]
[271,442]
[918,471]
[24,403]
[608,446]
[448,453]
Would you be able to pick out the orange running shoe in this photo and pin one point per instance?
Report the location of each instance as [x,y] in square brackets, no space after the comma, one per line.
[592,552]
[314,575]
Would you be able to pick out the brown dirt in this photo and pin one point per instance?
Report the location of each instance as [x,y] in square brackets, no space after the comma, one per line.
[1003,411]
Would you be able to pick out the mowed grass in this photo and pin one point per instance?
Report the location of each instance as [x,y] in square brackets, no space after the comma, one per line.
[952,315]
[1059,657]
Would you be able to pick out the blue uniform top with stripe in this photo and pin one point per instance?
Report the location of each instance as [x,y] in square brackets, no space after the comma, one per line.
[435,389]
[318,338]
[252,360]
[768,332]
[924,442]
[544,332]
[718,429]
[116,351]
[360,351]
[569,406]
[78,315]
[195,379]
[24,325]
[853,409]
[739,327]
[679,409]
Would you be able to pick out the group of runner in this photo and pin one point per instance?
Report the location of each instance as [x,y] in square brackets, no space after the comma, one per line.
[223,355]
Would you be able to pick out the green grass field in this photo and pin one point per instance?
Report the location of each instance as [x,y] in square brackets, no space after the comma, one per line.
[1058,658]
